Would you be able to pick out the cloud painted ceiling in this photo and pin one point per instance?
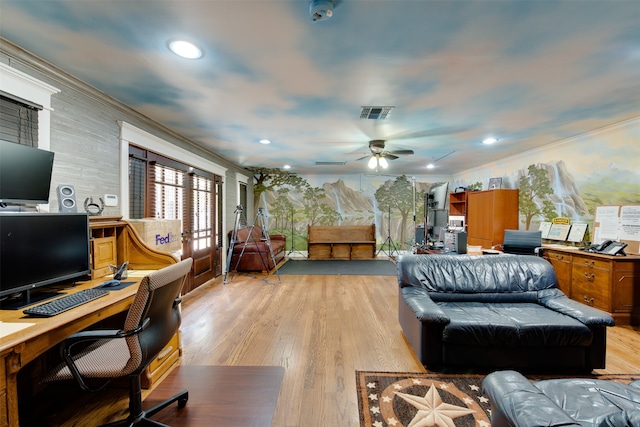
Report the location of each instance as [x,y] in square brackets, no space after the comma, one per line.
[528,72]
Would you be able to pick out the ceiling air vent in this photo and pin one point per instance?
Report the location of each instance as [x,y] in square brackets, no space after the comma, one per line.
[330,163]
[375,113]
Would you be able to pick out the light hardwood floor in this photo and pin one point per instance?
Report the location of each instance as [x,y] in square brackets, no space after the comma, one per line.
[321,329]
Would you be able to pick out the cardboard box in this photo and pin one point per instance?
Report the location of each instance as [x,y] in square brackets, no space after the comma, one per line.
[161,234]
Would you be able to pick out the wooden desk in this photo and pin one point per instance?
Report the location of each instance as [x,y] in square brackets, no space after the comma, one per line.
[24,346]
[20,348]
[610,283]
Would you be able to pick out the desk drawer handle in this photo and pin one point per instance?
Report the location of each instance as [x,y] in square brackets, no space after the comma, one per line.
[164,353]
[589,277]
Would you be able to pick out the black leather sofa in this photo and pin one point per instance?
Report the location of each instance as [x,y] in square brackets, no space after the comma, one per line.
[567,402]
[499,311]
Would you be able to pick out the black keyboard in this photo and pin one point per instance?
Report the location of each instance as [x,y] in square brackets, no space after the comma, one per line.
[67,302]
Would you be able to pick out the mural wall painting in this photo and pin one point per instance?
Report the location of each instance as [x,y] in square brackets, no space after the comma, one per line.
[386,201]
[599,168]
[602,167]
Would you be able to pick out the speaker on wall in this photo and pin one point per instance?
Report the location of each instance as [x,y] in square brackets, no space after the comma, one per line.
[67,199]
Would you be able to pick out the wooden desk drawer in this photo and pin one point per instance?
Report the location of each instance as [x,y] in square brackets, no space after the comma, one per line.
[556,256]
[161,364]
[590,263]
[591,286]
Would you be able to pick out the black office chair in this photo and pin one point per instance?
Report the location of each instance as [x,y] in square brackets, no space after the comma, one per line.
[522,242]
[103,355]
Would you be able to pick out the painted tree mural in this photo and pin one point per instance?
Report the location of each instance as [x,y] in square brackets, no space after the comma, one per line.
[270,179]
[534,189]
[397,195]
[316,211]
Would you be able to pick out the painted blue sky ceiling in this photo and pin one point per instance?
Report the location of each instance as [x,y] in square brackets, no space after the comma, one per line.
[529,72]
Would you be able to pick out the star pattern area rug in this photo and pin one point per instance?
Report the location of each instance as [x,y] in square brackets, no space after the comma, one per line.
[401,399]
[405,398]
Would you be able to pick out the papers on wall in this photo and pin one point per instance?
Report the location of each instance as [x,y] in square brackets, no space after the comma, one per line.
[618,223]
[577,232]
[606,223]
[559,232]
[630,223]
[544,228]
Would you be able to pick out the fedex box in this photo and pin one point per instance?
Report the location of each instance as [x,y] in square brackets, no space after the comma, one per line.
[161,234]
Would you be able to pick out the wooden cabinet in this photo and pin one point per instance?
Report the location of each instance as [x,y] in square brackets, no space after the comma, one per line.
[458,204]
[489,213]
[562,265]
[609,283]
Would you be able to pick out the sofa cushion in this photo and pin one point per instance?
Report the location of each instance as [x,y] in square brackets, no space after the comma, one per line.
[472,274]
[511,325]
[592,401]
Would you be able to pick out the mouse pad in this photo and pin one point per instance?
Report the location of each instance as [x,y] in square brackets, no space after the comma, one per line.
[122,285]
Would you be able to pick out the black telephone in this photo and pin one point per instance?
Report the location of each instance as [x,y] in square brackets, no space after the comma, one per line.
[609,247]
[121,271]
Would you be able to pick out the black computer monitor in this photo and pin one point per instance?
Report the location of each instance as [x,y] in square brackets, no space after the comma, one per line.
[436,198]
[39,249]
[25,173]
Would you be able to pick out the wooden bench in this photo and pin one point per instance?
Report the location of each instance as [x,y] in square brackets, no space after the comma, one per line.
[342,241]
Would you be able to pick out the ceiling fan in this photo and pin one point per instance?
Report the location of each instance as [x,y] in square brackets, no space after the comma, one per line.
[379,155]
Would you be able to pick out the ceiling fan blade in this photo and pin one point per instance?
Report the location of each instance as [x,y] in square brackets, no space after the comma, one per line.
[427,133]
[389,156]
[401,152]
[364,157]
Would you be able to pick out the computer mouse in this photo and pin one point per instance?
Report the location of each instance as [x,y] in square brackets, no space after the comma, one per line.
[110,284]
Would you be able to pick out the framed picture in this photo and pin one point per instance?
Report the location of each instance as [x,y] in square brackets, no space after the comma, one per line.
[495,183]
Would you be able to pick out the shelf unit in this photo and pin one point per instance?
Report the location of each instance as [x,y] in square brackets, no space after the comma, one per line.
[458,204]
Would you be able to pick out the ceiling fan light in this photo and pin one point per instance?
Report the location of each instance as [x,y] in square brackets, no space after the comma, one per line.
[383,162]
[373,162]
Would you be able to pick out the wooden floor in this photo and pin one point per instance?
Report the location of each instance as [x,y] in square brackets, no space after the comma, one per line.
[320,329]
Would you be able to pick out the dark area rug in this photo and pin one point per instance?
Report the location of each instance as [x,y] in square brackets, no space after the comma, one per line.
[406,398]
[397,398]
[340,267]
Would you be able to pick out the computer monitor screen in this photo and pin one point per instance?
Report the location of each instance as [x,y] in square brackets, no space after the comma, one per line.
[25,173]
[436,198]
[437,222]
[38,249]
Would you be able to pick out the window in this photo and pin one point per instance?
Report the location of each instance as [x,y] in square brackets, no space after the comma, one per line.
[18,121]
[242,192]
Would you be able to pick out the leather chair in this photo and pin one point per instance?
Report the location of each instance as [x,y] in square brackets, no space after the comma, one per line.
[98,356]
[567,402]
[522,242]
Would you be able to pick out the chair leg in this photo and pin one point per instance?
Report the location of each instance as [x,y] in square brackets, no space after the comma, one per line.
[181,398]
[139,417]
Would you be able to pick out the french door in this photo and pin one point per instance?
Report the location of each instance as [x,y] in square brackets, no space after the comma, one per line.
[163,188]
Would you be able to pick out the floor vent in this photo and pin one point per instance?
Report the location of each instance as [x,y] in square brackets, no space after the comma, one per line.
[375,113]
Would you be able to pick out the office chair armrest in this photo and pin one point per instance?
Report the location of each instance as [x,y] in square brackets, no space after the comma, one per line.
[92,336]
[100,334]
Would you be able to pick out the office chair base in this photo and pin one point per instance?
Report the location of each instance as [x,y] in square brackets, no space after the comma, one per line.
[142,419]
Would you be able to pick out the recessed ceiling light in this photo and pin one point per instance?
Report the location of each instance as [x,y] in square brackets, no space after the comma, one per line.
[287,167]
[431,166]
[490,140]
[264,141]
[185,49]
